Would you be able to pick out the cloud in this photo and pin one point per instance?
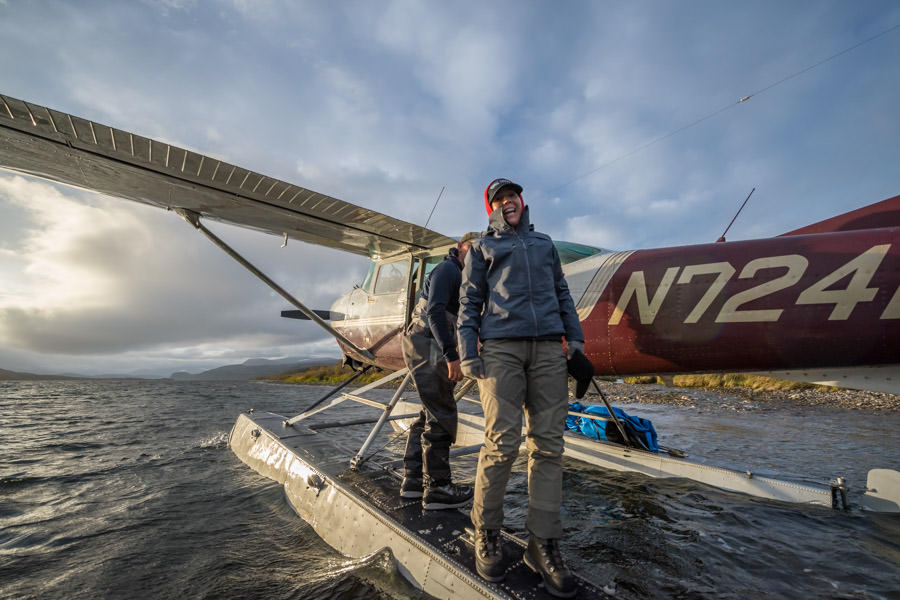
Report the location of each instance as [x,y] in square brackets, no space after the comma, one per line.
[177,5]
[383,104]
[456,58]
[593,231]
[70,248]
[107,276]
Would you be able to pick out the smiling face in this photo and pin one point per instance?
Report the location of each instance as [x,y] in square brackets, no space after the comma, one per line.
[512,205]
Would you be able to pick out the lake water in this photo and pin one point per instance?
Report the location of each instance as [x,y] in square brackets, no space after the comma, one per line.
[124,489]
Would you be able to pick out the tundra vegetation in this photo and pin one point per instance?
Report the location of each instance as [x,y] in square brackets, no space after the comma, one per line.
[335,374]
[727,380]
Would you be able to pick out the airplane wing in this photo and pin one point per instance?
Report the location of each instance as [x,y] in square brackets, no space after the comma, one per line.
[42,142]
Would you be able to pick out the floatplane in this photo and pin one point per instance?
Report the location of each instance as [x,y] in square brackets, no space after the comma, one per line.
[820,304]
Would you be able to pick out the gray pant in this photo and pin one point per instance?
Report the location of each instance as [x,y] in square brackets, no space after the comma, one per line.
[431,435]
[531,375]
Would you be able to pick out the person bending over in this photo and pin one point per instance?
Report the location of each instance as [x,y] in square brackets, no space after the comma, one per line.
[429,350]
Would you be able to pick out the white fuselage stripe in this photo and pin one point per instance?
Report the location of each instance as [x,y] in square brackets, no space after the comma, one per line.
[601,278]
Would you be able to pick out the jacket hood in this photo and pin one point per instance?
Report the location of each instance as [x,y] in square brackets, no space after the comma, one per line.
[453,254]
[496,222]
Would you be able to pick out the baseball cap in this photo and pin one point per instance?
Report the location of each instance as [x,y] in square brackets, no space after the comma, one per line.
[498,184]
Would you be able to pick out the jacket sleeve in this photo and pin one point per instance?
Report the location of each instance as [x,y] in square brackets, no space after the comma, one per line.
[444,284]
[472,295]
[566,305]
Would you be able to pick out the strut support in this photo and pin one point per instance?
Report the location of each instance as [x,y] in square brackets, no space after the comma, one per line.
[194,219]
[361,455]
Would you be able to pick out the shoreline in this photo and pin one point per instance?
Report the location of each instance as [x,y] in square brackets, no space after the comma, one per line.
[743,397]
[736,398]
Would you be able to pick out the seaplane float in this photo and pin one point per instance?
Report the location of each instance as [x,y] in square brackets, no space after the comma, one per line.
[820,304]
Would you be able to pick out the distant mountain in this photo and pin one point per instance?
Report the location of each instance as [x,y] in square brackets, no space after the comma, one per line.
[253,368]
[16,376]
[249,369]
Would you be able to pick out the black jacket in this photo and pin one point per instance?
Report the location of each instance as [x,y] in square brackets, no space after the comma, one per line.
[441,291]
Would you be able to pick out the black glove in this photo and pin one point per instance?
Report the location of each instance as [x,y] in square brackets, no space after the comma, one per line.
[574,346]
[473,367]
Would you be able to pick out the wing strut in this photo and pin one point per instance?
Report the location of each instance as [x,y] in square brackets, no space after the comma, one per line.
[194,219]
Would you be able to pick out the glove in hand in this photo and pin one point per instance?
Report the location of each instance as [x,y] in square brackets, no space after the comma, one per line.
[574,346]
[473,367]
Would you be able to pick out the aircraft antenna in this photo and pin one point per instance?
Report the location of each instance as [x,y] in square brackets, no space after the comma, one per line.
[722,237]
[434,207]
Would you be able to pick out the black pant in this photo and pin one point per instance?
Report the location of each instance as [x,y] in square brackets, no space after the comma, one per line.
[431,435]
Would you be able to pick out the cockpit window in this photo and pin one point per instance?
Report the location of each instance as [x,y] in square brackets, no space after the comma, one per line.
[569,252]
[430,263]
[392,277]
[367,281]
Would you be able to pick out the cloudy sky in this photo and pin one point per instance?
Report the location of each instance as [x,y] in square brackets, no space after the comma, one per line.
[621,120]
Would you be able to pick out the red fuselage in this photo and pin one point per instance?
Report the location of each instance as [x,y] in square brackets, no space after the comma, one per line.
[799,301]
[782,303]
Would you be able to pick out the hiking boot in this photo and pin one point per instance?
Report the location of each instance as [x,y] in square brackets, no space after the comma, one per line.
[543,557]
[489,555]
[450,495]
[411,487]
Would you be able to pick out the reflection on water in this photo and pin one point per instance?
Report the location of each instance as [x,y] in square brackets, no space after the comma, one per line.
[112,489]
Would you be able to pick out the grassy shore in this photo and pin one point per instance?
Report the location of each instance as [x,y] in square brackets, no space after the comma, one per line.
[335,374]
[738,391]
[729,380]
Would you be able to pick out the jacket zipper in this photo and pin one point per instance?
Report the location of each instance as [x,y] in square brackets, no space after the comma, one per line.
[530,289]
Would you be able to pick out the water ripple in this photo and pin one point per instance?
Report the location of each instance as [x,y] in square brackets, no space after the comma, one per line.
[134,492]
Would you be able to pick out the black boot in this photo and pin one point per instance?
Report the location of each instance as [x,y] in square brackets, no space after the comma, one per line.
[489,555]
[543,557]
[411,487]
[448,495]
